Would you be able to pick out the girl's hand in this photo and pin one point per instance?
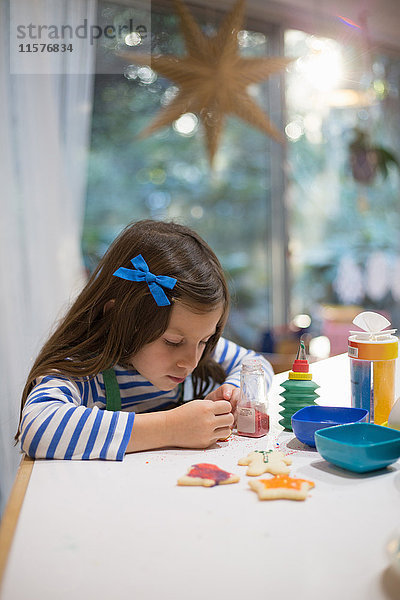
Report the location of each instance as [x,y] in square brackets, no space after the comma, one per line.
[226,392]
[199,423]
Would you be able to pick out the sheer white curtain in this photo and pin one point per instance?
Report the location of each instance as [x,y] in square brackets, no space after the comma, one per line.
[45,135]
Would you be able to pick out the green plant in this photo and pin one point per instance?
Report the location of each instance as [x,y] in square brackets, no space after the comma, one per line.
[368,159]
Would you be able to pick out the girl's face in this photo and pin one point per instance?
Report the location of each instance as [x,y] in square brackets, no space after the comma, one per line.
[168,360]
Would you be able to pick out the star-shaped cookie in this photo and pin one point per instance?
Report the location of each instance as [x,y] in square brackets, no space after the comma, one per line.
[281,487]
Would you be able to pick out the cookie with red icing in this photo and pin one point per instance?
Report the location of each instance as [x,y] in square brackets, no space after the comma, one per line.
[208,475]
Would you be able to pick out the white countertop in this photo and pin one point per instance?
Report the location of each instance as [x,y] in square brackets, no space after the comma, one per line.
[102,530]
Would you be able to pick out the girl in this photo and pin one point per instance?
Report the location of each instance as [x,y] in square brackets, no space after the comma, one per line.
[142,338]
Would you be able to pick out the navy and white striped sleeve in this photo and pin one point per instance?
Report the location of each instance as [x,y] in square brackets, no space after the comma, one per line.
[55,424]
[230,356]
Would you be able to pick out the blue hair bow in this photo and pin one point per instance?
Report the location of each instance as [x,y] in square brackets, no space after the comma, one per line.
[155,282]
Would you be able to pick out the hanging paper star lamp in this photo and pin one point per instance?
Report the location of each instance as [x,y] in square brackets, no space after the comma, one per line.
[212,78]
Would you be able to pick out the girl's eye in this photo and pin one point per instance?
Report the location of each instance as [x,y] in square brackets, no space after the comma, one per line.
[175,344]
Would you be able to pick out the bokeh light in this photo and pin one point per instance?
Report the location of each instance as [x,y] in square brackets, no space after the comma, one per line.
[302,321]
[186,125]
[146,75]
[294,130]
[133,39]
[321,68]
[320,347]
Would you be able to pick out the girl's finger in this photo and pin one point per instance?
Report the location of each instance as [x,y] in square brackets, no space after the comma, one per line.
[225,420]
[223,433]
[221,407]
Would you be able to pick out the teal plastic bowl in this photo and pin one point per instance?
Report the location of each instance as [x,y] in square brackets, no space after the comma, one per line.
[359,447]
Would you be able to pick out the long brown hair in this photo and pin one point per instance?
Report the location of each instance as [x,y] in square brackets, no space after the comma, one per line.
[90,339]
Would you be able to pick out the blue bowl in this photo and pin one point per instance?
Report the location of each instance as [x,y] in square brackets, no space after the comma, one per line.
[359,447]
[307,420]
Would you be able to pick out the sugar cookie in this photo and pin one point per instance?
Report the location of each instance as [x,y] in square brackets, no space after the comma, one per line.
[207,475]
[266,461]
[281,486]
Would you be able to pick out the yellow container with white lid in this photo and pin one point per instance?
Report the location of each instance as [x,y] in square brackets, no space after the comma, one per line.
[373,352]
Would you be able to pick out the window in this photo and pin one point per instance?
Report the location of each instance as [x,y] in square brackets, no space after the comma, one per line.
[296,229]
[167,175]
[344,218]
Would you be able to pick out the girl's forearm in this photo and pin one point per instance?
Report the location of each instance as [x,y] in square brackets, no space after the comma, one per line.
[149,431]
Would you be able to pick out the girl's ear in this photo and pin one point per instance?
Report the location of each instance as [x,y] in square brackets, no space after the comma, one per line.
[108,306]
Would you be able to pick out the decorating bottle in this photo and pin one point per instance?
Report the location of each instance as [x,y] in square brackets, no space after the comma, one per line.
[373,353]
[252,416]
[299,389]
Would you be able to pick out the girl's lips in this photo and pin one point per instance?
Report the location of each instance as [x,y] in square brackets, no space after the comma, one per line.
[177,379]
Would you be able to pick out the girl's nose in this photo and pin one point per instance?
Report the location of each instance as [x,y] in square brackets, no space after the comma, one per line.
[188,359]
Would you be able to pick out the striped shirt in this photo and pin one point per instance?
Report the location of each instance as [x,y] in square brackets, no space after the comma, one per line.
[66,419]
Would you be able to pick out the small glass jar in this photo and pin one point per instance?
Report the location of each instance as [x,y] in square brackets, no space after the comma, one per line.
[252,416]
